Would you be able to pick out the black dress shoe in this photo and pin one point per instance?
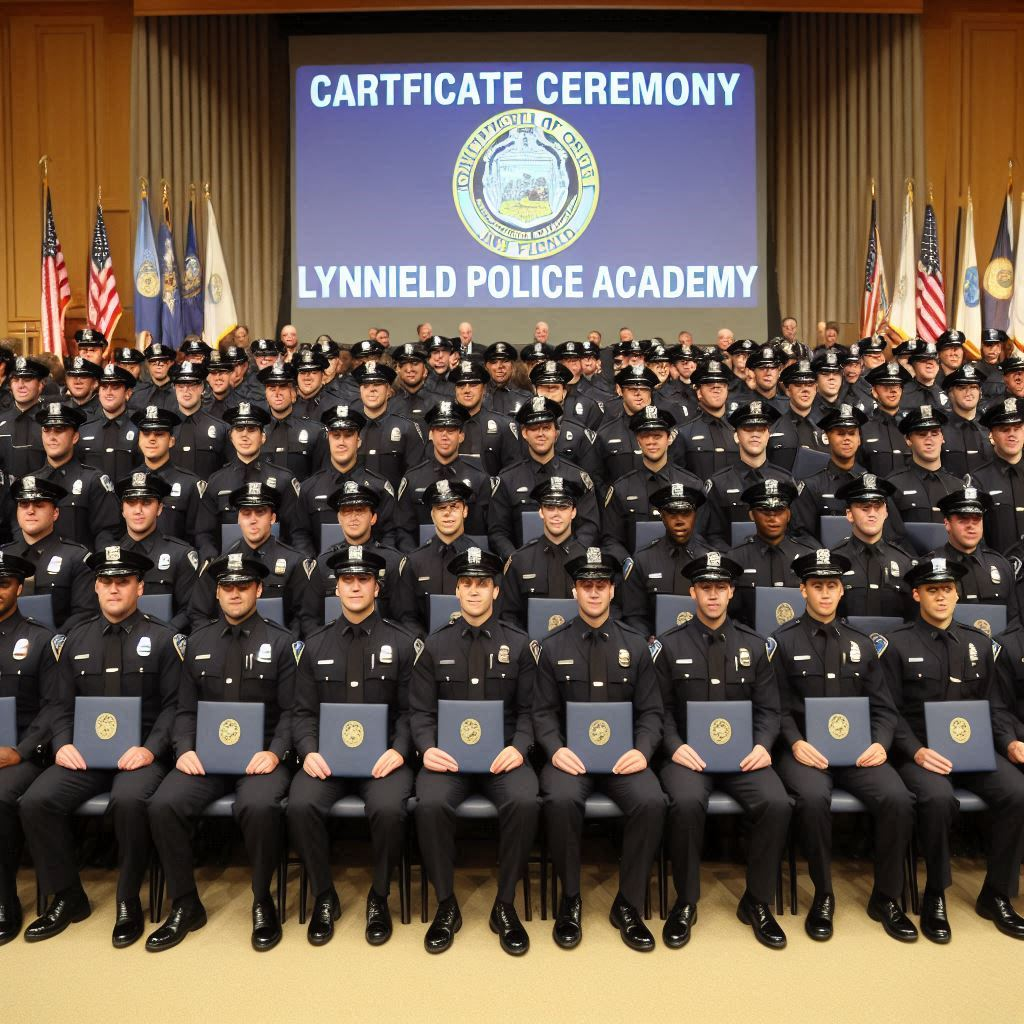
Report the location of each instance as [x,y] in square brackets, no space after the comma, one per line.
[630,923]
[818,923]
[894,921]
[999,909]
[568,928]
[129,923]
[447,921]
[64,910]
[185,916]
[10,919]
[759,917]
[934,923]
[676,931]
[506,925]
[320,930]
[266,928]
[378,919]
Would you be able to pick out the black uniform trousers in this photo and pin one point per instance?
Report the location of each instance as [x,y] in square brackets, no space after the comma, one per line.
[642,803]
[309,803]
[438,794]
[888,801]
[937,808]
[767,807]
[46,811]
[14,780]
[182,798]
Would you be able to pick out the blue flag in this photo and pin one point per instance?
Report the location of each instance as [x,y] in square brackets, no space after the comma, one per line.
[171,329]
[146,273]
[192,282]
[997,284]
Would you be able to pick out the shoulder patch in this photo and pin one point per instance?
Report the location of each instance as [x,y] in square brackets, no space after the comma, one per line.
[193,558]
[403,483]
[996,648]
[389,488]
[309,564]
[771,645]
[495,480]
[608,497]
[655,648]
[105,481]
[401,564]
[297,648]
[417,646]
[508,563]
[880,643]
[708,485]
[514,427]
[180,642]
[1017,565]
[587,482]
[57,644]
[296,486]
[201,487]
[799,487]
[535,650]
[204,567]
[627,568]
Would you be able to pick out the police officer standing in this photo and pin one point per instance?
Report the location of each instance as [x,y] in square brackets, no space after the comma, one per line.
[476,657]
[361,658]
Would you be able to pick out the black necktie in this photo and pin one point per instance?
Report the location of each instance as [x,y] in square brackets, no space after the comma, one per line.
[233,659]
[558,579]
[354,663]
[874,567]
[833,660]
[716,665]
[774,569]
[598,667]
[1016,494]
[112,660]
[477,660]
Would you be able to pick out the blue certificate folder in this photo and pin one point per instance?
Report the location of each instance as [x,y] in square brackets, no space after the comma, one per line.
[961,730]
[839,728]
[228,734]
[352,737]
[720,731]
[105,727]
[8,722]
[472,731]
[599,732]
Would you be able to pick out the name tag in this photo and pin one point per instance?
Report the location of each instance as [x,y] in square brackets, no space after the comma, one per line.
[801,657]
[567,661]
[264,653]
[654,576]
[447,661]
[684,661]
[81,657]
[326,661]
[912,660]
[202,657]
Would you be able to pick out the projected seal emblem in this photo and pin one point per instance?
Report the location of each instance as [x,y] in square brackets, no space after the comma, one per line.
[525,184]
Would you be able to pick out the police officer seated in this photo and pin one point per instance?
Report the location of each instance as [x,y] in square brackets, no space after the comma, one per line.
[924,480]
[819,655]
[724,660]
[27,665]
[596,657]
[935,658]
[475,657]
[120,652]
[239,657]
[361,658]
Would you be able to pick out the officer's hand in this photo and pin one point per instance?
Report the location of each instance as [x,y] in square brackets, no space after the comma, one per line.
[315,766]
[631,762]
[873,756]
[69,757]
[263,763]
[1015,752]
[933,761]
[9,757]
[689,758]
[135,757]
[387,763]
[437,760]
[808,755]
[506,760]
[189,764]
[756,759]
[566,761]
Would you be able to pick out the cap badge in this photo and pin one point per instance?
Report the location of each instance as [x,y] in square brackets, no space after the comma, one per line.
[593,556]
[112,553]
[234,563]
[138,479]
[714,560]
[473,554]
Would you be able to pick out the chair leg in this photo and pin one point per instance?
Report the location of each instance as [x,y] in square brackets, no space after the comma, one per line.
[915,894]
[160,883]
[403,883]
[554,892]
[662,883]
[779,898]
[543,877]
[40,899]
[647,900]
[303,893]
[793,902]
[527,894]
[423,893]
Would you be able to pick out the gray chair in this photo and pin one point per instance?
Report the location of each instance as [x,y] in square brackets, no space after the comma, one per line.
[807,462]
[231,533]
[332,608]
[427,531]
[740,530]
[160,606]
[989,618]
[874,623]
[442,608]
[532,526]
[925,537]
[330,534]
[271,608]
[647,530]
[543,614]
[775,606]
[834,530]
[38,607]
[671,610]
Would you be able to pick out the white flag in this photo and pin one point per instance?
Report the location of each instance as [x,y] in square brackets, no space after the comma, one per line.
[1016,330]
[219,317]
[903,309]
[968,291]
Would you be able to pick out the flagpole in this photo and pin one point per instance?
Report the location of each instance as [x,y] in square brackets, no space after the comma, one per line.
[44,162]
[956,258]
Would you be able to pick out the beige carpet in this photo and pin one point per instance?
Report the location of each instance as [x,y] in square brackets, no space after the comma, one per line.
[723,975]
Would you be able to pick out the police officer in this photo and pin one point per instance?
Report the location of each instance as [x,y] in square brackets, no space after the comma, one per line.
[766,364]
[537,569]
[966,438]
[159,360]
[120,652]
[288,573]
[475,657]
[925,387]
[21,447]
[934,658]
[89,512]
[658,567]
[1002,477]
[391,443]
[540,423]
[502,394]
[310,367]
[239,657]
[884,448]
[819,655]
[488,435]
[617,447]
[359,658]
[250,462]
[107,441]
[200,440]
[175,562]
[875,582]
[708,439]
[596,657]
[414,396]
[795,428]
[574,440]
[264,352]
[828,372]
[924,481]
[81,384]
[219,396]
[712,657]
[60,568]
[292,441]
[27,673]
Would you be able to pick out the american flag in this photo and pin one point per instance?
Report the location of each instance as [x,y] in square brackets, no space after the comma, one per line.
[875,306]
[104,302]
[931,297]
[56,289]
